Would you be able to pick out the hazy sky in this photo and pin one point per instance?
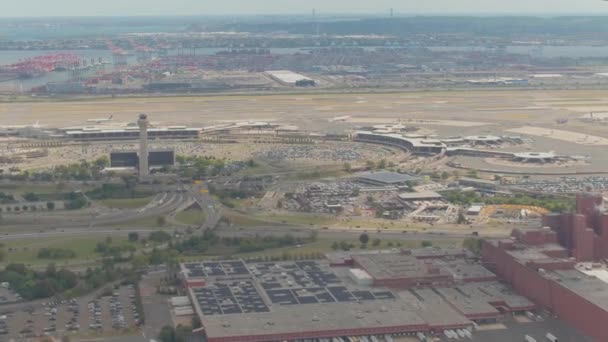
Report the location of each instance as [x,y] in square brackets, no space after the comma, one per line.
[12,8]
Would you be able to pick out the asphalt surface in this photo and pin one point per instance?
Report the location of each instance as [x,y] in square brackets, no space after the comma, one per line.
[164,203]
[536,330]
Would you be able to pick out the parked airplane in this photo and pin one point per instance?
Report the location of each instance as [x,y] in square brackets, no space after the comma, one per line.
[101,120]
[339,118]
[35,125]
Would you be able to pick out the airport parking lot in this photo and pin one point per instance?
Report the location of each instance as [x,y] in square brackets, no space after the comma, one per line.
[85,316]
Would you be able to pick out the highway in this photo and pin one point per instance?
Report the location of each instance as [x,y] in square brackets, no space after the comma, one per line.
[163,203]
[248,232]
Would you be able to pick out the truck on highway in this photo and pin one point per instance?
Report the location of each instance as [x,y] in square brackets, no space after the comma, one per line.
[551,337]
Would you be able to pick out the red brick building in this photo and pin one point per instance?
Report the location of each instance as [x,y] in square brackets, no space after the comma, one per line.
[583,233]
[544,271]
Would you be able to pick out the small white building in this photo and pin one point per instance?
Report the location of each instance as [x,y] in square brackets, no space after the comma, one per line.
[360,277]
[475,209]
[287,77]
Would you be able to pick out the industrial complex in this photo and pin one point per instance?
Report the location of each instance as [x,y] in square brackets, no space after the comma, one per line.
[426,292]
[387,293]
[560,267]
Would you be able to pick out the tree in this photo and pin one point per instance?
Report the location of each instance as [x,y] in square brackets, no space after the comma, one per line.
[356,192]
[130,182]
[133,236]
[461,218]
[426,243]
[196,322]
[167,334]
[161,221]
[156,257]
[345,246]
[102,162]
[31,197]
[335,245]
[445,175]
[60,186]
[159,236]
[382,164]
[472,244]
[50,205]
[313,235]
[364,238]
[370,165]
[376,242]
[347,167]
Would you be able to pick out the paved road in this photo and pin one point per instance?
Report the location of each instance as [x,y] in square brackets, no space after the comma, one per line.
[213,212]
[164,203]
[245,232]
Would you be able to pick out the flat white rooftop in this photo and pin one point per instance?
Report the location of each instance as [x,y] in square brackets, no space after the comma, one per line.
[287,76]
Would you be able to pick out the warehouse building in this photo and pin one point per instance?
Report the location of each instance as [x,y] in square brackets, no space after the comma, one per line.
[538,267]
[375,293]
[386,178]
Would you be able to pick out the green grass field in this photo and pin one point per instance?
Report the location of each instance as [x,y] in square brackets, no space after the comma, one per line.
[320,246]
[298,219]
[147,222]
[126,203]
[25,251]
[190,217]
[22,188]
[325,245]
[242,219]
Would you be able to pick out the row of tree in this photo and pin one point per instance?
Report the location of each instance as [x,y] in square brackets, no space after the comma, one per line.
[551,203]
[32,284]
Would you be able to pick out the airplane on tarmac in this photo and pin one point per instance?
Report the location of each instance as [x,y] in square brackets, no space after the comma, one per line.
[101,120]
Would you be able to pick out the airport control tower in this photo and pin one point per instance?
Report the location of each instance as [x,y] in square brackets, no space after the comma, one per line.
[143,124]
